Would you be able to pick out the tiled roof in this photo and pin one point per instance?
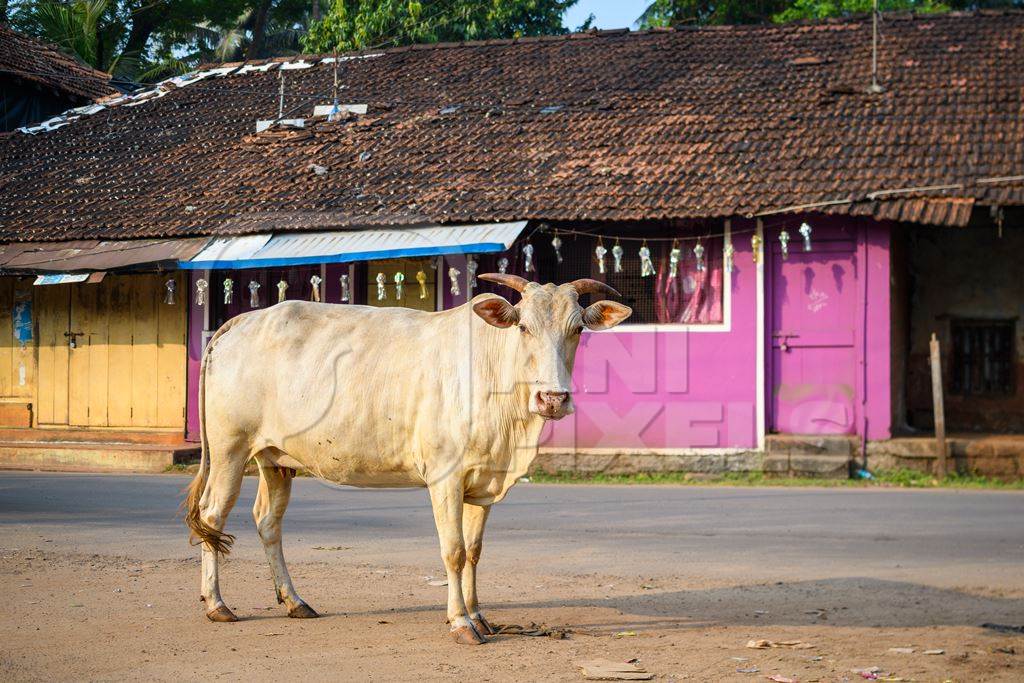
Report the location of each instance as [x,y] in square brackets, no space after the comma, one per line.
[597,126]
[33,60]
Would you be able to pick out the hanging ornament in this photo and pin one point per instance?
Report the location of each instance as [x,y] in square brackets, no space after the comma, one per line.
[805,232]
[315,281]
[617,254]
[646,267]
[698,251]
[399,281]
[727,253]
[421,278]
[381,291]
[170,286]
[229,290]
[784,242]
[282,287]
[254,294]
[471,266]
[453,275]
[503,265]
[345,294]
[600,252]
[528,256]
[674,257]
[556,242]
[201,287]
[755,247]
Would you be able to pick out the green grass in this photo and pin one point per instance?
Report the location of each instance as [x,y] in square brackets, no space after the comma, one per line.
[904,478]
[891,479]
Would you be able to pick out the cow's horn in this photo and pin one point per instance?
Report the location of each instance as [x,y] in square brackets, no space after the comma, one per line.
[514,281]
[588,286]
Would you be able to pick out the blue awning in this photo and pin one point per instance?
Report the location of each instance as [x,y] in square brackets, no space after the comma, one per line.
[345,246]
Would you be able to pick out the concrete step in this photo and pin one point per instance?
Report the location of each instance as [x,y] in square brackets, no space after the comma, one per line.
[810,444]
[808,455]
[94,457]
[819,466]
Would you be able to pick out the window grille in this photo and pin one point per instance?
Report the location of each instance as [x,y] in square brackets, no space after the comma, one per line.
[983,357]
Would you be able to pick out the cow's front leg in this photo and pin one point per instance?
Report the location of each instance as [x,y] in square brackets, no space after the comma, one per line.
[446,499]
[474,517]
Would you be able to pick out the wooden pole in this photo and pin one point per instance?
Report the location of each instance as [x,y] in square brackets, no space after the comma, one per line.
[938,409]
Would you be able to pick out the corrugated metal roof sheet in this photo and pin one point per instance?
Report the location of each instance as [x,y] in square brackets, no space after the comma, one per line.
[96,255]
[261,251]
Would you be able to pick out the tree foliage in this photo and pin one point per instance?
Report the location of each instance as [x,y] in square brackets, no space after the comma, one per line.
[357,24]
[702,12]
[145,39]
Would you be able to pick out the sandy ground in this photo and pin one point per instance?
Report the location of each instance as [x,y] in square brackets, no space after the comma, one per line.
[69,616]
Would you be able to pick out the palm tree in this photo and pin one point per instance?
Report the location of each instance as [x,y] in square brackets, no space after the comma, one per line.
[90,29]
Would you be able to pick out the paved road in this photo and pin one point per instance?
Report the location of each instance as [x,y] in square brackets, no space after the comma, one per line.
[943,538]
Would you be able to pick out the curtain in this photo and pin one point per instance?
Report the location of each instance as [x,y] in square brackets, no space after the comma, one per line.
[692,296]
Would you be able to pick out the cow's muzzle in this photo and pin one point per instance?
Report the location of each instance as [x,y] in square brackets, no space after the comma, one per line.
[552,405]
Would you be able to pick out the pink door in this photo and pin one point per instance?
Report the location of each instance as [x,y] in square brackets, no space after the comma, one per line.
[814,324]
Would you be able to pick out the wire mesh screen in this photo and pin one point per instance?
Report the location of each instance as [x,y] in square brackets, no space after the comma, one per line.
[687,291]
[296,277]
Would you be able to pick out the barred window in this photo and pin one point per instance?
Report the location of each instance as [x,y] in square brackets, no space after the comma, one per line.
[983,357]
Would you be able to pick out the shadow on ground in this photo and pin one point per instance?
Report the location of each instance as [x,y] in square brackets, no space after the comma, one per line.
[841,602]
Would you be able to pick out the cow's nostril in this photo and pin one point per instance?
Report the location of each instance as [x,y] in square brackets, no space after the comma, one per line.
[554,398]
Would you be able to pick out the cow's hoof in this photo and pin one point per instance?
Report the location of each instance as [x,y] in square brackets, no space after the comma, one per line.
[302,611]
[221,614]
[467,635]
[481,625]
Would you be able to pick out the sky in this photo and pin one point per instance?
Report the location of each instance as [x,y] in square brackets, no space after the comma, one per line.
[607,13]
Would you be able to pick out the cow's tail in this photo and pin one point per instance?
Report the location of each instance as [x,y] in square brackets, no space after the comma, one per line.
[201,532]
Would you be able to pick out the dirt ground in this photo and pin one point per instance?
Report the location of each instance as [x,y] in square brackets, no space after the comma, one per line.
[74,617]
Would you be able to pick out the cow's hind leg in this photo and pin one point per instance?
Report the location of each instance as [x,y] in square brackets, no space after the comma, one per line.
[473,519]
[272,498]
[223,484]
[446,499]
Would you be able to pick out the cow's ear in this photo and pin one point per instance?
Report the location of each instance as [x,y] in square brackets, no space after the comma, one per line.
[496,311]
[605,314]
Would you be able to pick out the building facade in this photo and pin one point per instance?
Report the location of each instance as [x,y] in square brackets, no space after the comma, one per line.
[787,255]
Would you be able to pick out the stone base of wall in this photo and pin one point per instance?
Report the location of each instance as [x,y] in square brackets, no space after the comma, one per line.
[833,457]
[603,462]
[1001,457]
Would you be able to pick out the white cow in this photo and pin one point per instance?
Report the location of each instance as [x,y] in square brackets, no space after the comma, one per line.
[386,397]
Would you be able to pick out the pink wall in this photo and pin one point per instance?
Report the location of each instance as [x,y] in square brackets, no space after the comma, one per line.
[683,389]
[664,389]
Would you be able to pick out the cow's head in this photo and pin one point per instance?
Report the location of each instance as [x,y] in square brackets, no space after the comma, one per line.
[547,323]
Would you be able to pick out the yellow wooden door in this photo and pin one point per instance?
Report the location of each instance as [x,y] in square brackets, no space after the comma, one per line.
[52,303]
[129,371]
[412,294]
[127,368]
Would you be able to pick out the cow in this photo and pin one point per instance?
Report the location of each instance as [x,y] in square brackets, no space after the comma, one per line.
[453,401]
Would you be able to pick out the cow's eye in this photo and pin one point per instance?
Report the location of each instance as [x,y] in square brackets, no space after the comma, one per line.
[522,328]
